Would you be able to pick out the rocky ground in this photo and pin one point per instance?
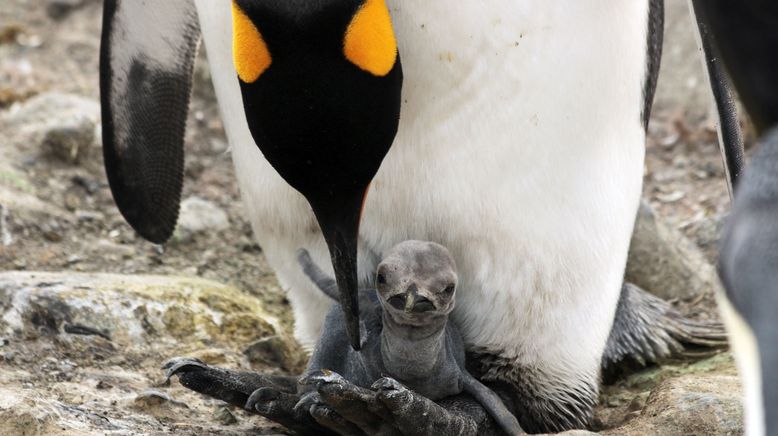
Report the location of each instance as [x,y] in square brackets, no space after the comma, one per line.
[89,311]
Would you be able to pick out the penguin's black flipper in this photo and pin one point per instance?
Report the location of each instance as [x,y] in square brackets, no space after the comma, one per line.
[146,62]
[730,135]
[647,328]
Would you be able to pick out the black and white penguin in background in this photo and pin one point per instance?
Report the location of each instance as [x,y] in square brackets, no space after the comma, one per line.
[746,34]
[519,146]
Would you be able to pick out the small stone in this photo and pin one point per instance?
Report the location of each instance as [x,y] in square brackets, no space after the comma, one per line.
[224,417]
[272,350]
[638,403]
[113,249]
[89,216]
[103,385]
[18,79]
[153,398]
[59,9]
[52,231]
[64,127]
[67,139]
[671,197]
[200,216]
[72,200]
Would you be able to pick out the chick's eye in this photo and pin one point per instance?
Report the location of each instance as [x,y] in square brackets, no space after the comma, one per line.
[450,288]
[381,280]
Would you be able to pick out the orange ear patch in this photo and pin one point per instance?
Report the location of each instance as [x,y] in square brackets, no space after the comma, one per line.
[370,43]
[249,51]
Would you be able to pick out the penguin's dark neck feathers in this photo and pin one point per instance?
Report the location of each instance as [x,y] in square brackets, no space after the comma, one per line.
[289,17]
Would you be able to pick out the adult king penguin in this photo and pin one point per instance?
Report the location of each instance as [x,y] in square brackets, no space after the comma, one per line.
[520,148]
[746,35]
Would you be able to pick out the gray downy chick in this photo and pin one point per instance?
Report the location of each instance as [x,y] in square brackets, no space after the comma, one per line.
[405,331]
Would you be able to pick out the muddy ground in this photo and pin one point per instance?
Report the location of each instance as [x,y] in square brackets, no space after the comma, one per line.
[58,215]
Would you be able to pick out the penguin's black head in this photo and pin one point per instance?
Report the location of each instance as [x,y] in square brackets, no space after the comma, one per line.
[321,84]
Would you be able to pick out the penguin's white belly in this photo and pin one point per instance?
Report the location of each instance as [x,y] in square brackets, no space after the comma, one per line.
[520,148]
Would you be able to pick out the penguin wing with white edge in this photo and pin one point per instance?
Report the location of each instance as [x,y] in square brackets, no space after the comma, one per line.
[146,63]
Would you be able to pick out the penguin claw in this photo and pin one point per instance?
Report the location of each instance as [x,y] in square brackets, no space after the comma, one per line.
[176,364]
[261,395]
[386,384]
[307,401]
[287,409]
[319,377]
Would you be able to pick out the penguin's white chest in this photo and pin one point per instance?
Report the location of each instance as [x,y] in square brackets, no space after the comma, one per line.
[520,148]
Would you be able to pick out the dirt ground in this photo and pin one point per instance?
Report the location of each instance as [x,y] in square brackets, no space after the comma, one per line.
[45,49]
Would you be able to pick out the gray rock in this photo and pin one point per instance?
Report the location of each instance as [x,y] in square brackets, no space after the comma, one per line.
[273,351]
[67,139]
[690,405]
[224,417]
[200,216]
[59,9]
[64,127]
[81,353]
[153,400]
[665,263]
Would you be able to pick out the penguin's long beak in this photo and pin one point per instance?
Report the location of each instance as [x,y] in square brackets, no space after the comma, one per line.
[339,218]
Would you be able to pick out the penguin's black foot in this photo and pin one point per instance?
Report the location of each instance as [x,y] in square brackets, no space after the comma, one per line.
[355,410]
[414,414]
[335,405]
[647,329]
[389,408]
[282,407]
[234,387]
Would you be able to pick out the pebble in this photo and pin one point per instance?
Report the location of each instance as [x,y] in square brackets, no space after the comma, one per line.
[273,351]
[59,9]
[224,417]
[152,398]
[63,127]
[67,139]
[199,216]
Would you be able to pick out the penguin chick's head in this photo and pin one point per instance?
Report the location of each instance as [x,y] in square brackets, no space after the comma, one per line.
[416,281]
[321,85]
